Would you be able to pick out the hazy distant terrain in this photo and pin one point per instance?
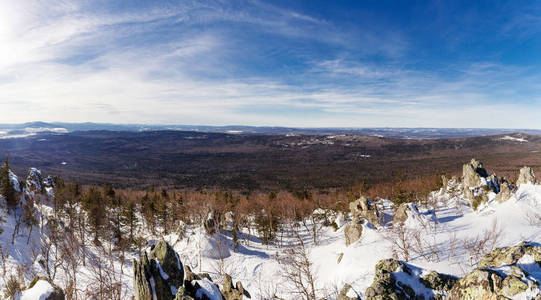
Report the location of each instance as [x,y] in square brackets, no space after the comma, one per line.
[259,161]
[26,129]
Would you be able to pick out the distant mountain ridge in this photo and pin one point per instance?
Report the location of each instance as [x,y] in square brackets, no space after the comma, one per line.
[33,128]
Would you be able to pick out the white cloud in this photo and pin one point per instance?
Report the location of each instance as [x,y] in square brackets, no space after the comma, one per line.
[66,62]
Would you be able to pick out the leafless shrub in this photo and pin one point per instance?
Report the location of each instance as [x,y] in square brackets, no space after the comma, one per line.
[533,218]
[402,240]
[12,287]
[484,243]
[453,241]
[297,269]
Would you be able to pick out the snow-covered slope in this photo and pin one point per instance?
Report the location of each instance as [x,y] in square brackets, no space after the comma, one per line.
[440,238]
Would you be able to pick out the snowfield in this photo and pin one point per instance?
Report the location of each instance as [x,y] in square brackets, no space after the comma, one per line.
[441,236]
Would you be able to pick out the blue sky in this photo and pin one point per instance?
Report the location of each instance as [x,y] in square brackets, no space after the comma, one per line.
[288,63]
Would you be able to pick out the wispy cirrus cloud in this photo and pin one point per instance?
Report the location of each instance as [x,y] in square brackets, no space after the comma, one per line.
[249,63]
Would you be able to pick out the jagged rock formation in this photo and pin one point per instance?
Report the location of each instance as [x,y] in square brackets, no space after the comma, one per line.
[389,282]
[230,292]
[502,274]
[472,173]
[161,275]
[526,176]
[41,288]
[444,184]
[363,208]
[34,181]
[362,211]
[473,176]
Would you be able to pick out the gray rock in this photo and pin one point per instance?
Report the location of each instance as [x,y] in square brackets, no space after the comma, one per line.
[470,174]
[161,273]
[401,214]
[526,176]
[505,192]
[385,285]
[498,275]
[365,208]
[353,231]
[230,292]
[438,282]
[445,184]
[479,284]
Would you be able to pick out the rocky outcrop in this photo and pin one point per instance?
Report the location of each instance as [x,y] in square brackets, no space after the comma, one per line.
[444,184]
[363,208]
[385,285]
[353,231]
[438,282]
[395,279]
[471,173]
[526,176]
[34,180]
[230,292]
[502,274]
[505,192]
[362,211]
[511,255]
[160,273]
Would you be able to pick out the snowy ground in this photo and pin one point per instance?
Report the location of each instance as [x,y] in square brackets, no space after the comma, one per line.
[444,237]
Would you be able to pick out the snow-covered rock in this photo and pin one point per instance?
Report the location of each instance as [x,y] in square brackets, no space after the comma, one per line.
[42,290]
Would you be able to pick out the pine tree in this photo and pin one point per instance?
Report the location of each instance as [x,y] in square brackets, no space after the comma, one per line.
[6,186]
[93,204]
[129,219]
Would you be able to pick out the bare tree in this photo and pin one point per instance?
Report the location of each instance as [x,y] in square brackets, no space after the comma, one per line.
[298,269]
[402,239]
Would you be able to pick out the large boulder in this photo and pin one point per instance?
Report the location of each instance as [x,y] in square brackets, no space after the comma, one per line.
[438,282]
[479,284]
[385,285]
[511,255]
[409,211]
[353,231]
[503,273]
[363,208]
[395,279]
[526,176]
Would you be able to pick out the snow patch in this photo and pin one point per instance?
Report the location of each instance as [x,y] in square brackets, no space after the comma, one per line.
[515,139]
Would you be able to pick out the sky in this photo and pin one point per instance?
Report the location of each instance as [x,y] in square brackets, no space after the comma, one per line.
[272,63]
